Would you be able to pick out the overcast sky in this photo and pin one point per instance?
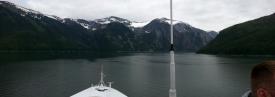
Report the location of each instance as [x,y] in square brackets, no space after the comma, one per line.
[205,14]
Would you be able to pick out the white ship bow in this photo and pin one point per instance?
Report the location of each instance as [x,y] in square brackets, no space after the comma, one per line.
[100,90]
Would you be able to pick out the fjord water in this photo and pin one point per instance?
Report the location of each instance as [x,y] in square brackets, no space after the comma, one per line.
[136,75]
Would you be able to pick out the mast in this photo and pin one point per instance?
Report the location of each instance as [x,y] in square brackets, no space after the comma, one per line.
[101,83]
[172,91]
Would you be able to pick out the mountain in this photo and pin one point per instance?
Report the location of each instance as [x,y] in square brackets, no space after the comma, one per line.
[187,38]
[26,29]
[255,37]
[151,36]
[102,23]
[116,36]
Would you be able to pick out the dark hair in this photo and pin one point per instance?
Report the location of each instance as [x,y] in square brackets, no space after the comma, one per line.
[262,76]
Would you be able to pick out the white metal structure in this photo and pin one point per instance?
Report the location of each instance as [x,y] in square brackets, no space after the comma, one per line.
[100,90]
[172,91]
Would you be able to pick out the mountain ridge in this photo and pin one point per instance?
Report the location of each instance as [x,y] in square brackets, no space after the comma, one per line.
[79,34]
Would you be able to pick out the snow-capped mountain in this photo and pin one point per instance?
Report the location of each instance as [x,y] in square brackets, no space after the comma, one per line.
[126,22]
[186,36]
[35,30]
[101,23]
[28,12]
[25,29]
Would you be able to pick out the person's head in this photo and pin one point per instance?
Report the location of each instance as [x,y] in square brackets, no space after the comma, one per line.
[263,79]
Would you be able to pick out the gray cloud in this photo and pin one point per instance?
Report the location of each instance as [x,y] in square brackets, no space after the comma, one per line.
[204,14]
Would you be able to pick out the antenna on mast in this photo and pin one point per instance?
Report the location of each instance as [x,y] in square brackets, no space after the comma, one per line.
[172,91]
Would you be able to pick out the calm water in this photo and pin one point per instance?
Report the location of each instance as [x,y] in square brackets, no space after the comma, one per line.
[136,75]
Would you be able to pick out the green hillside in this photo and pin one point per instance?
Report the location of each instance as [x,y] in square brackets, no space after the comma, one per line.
[255,37]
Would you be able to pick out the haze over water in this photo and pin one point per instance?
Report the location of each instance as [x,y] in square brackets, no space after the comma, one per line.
[136,75]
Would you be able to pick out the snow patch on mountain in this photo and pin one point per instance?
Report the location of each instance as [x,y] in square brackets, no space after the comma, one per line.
[147,32]
[37,17]
[54,17]
[166,20]
[139,24]
[84,25]
[23,15]
[93,29]
[112,19]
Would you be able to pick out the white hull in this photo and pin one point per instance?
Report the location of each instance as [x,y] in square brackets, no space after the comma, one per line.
[99,91]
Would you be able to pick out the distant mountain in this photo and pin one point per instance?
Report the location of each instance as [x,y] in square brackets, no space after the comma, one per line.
[116,36]
[187,38]
[255,37]
[26,29]
[154,35]
[101,23]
